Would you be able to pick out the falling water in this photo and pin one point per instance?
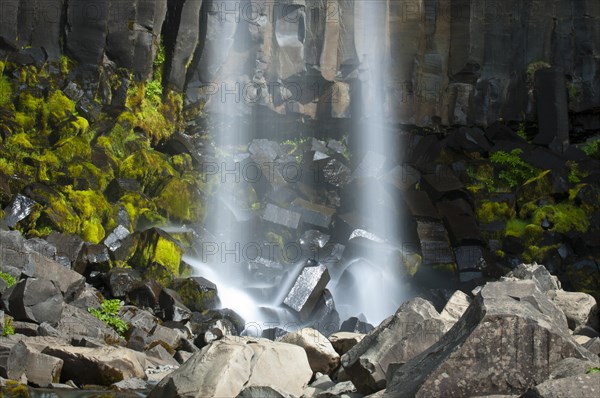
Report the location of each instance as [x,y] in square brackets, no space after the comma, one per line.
[367,285]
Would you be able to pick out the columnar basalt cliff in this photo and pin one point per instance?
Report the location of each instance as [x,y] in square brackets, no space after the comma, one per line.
[455,62]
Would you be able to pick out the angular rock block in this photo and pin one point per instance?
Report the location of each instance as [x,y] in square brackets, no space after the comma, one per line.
[40,369]
[280,216]
[101,366]
[370,166]
[226,366]
[35,300]
[171,306]
[197,293]
[20,207]
[307,289]
[312,213]
[552,108]
[115,239]
[435,245]
[508,341]
[580,386]
[321,355]
[121,281]
[414,328]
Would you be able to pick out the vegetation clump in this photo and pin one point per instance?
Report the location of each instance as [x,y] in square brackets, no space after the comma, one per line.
[514,171]
[8,278]
[109,314]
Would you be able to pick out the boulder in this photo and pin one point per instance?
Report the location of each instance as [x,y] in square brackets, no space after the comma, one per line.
[263,392]
[455,307]
[40,369]
[506,342]
[196,293]
[538,273]
[35,300]
[102,366]
[280,216]
[75,323]
[121,281]
[171,307]
[576,306]
[322,357]
[581,386]
[307,289]
[571,367]
[343,342]
[227,366]
[411,330]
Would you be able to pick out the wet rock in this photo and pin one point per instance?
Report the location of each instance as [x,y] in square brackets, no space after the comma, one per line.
[508,309]
[145,295]
[19,209]
[336,173]
[121,281]
[435,245]
[313,214]
[265,149]
[460,219]
[171,306]
[280,216]
[370,166]
[196,293]
[115,239]
[92,258]
[325,317]
[42,247]
[420,205]
[102,366]
[581,386]
[227,366]
[414,328]
[321,355]
[158,256]
[343,342]
[356,325]
[36,300]
[307,289]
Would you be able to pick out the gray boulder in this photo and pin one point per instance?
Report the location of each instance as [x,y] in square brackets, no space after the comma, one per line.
[414,328]
[322,357]
[227,366]
[506,342]
[35,300]
[582,386]
[576,306]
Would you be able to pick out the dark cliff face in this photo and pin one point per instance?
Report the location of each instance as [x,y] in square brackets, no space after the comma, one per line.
[453,61]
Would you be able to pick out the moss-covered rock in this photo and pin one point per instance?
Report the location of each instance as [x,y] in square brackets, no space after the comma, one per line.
[534,189]
[489,212]
[563,217]
[181,200]
[198,294]
[158,256]
[149,167]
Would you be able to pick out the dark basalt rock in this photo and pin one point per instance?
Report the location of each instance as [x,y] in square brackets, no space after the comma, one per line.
[120,186]
[312,213]
[68,247]
[19,209]
[355,325]
[145,295]
[325,317]
[35,300]
[435,245]
[172,307]
[281,216]
[197,293]
[121,281]
[307,289]
[92,258]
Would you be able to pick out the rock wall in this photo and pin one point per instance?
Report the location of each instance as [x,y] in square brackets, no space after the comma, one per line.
[454,62]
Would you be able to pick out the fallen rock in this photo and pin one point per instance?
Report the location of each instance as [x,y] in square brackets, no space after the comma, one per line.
[102,366]
[538,273]
[343,342]
[263,392]
[321,355]
[121,281]
[455,307]
[571,367]
[343,389]
[576,306]
[506,342]
[581,386]
[414,328]
[307,289]
[35,300]
[171,306]
[227,366]
[40,369]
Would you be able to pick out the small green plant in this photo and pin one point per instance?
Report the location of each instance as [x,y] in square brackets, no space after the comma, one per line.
[515,171]
[575,174]
[521,131]
[593,370]
[9,329]
[591,147]
[109,314]
[9,279]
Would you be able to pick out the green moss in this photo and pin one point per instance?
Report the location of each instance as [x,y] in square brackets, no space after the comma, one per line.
[158,256]
[194,298]
[489,212]
[534,189]
[60,107]
[148,167]
[538,254]
[515,227]
[575,174]
[8,329]
[592,147]
[564,217]
[14,389]
[73,148]
[6,91]
[181,200]
[482,177]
